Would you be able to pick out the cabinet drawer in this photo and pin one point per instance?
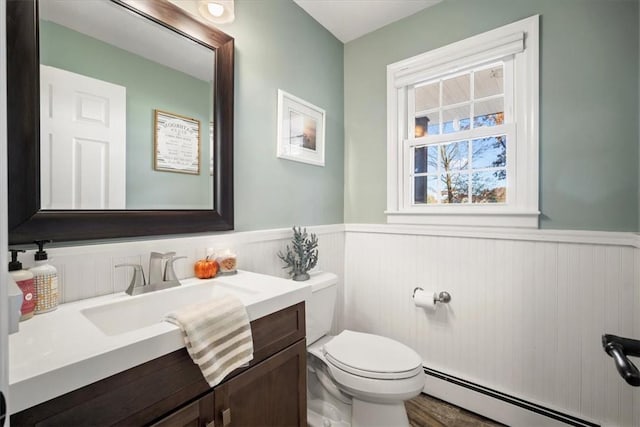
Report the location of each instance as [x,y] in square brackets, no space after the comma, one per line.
[143,394]
[277,331]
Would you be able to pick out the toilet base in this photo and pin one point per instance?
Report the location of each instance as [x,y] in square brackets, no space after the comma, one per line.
[367,414]
[338,399]
[323,414]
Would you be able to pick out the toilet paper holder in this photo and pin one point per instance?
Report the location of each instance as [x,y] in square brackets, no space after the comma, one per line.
[443,297]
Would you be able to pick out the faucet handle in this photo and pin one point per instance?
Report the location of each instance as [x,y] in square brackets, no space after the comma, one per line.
[138,278]
[169,272]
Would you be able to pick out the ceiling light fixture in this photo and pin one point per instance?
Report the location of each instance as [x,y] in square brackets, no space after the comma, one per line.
[217,11]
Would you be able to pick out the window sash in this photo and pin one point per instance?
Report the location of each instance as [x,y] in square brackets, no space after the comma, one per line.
[507,95]
[508,129]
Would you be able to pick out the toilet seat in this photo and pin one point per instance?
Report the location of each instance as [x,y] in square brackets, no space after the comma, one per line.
[372,356]
[359,380]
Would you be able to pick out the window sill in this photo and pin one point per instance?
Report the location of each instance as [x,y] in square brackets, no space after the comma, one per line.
[474,218]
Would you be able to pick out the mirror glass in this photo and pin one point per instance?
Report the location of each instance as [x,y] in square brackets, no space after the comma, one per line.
[126,110]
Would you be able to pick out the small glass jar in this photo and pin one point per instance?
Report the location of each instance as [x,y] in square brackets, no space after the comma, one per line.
[227,262]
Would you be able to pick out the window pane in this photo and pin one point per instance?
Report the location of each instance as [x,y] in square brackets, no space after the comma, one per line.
[421,126]
[427,97]
[433,127]
[489,113]
[488,82]
[489,186]
[456,90]
[456,119]
[426,159]
[489,152]
[426,189]
[454,156]
[454,188]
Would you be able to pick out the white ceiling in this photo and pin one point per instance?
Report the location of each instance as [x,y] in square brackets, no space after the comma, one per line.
[350,19]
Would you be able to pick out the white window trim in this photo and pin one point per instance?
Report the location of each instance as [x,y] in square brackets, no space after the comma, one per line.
[520,39]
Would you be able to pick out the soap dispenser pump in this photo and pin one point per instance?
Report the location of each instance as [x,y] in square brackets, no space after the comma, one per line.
[25,281]
[46,278]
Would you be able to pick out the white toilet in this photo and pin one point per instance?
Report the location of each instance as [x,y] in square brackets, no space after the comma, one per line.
[354,379]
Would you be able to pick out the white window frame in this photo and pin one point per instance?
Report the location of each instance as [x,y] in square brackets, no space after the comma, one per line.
[518,45]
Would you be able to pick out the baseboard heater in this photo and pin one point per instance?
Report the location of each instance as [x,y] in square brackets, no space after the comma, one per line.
[516,401]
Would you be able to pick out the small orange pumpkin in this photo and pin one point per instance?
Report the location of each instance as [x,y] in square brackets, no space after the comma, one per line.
[206,268]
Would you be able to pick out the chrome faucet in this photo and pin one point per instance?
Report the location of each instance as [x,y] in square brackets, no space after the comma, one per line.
[162,274]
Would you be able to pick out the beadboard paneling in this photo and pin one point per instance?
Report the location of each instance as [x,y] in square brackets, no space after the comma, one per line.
[526,316]
[88,271]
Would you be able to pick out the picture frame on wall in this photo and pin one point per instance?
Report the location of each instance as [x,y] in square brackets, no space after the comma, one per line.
[301,130]
[176,143]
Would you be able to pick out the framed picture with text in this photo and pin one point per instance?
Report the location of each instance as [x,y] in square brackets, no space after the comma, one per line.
[176,143]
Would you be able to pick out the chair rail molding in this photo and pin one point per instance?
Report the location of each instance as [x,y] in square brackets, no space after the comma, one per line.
[615,238]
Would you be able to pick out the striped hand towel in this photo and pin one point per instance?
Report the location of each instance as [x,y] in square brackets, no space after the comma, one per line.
[217,335]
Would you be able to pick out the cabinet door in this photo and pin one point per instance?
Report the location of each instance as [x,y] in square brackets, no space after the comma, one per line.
[195,414]
[272,393]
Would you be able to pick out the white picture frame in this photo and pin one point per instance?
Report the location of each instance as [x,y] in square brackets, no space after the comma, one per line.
[301,130]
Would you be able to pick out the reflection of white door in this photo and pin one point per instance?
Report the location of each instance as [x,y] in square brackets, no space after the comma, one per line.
[82,141]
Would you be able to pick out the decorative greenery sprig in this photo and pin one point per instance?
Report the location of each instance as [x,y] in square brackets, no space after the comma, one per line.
[302,256]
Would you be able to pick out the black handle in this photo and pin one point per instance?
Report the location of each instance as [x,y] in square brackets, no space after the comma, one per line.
[629,346]
[618,348]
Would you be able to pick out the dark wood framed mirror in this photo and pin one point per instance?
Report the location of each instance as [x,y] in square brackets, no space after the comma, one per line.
[27,221]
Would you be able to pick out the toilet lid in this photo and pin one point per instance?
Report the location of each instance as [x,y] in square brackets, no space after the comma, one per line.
[372,356]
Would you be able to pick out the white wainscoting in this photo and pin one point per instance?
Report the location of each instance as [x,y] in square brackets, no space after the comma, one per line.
[527,311]
[526,314]
[87,271]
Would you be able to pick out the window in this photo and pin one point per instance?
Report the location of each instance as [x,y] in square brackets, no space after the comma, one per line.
[462,140]
[461,133]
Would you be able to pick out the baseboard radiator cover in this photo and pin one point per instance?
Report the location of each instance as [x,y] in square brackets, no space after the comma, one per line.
[494,404]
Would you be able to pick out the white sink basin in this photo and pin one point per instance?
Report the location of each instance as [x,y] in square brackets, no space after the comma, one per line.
[140,311]
[89,340]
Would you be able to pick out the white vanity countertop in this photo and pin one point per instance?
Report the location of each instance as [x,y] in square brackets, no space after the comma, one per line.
[60,351]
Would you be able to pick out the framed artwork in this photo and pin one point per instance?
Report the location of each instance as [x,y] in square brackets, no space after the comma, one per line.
[176,143]
[300,130]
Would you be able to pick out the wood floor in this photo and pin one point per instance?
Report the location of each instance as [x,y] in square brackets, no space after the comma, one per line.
[427,411]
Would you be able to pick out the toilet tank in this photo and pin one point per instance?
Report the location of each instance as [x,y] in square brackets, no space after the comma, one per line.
[321,307]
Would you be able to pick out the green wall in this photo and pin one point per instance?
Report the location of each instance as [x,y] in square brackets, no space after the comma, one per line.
[588,104]
[279,46]
[149,86]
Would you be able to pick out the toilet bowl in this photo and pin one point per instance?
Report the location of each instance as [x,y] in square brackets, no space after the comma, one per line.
[355,379]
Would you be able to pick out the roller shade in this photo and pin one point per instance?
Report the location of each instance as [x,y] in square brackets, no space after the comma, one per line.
[438,61]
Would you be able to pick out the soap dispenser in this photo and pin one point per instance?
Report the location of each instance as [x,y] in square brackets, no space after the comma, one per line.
[46,278]
[25,281]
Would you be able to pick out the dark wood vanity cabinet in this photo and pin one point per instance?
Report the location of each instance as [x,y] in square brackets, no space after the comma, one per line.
[170,390]
[195,414]
[269,396]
